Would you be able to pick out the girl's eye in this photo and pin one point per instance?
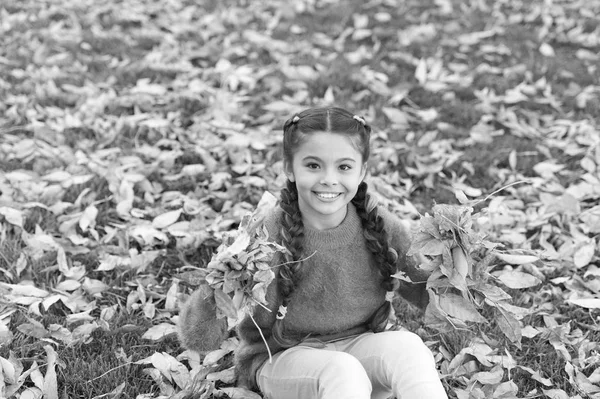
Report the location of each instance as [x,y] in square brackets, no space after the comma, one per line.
[312,166]
[345,167]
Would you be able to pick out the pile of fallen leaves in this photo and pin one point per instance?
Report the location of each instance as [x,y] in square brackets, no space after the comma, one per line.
[135,136]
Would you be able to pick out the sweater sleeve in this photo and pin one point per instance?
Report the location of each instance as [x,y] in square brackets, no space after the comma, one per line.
[400,239]
[199,328]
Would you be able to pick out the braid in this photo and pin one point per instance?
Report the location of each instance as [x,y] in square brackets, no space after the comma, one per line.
[292,235]
[377,243]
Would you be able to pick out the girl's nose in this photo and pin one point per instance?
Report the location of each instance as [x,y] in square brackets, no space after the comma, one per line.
[329,179]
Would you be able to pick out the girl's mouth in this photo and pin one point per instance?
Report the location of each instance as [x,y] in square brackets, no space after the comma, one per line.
[327,196]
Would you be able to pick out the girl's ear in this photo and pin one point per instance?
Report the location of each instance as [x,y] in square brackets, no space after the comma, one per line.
[363,171]
[289,172]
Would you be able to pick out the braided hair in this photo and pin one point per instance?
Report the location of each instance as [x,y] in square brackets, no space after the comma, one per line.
[295,131]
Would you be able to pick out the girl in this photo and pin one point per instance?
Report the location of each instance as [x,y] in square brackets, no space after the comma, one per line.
[331,299]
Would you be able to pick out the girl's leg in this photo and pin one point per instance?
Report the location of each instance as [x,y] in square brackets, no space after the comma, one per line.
[309,373]
[397,363]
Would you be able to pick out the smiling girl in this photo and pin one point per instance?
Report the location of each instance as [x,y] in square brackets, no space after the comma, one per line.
[331,299]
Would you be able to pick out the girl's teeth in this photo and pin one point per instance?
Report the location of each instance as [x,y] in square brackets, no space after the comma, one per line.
[328,196]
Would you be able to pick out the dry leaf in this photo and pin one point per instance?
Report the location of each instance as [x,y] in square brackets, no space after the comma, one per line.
[160,331]
[590,303]
[460,308]
[546,50]
[50,383]
[12,216]
[518,280]
[397,117]
[166,219]
[516,259]
[584,255]
[555,394]
[88,218]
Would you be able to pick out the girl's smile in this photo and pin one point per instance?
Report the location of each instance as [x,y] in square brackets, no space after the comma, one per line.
[327,169]
[327,196]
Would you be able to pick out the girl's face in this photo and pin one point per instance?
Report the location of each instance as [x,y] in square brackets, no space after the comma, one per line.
[327,169]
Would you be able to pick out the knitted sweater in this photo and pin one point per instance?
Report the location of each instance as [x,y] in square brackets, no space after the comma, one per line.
[340,289]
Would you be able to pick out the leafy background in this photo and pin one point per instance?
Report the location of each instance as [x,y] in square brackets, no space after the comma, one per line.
[134,134]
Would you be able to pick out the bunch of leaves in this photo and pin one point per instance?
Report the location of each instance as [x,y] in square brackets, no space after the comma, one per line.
[240,271]
[459,286]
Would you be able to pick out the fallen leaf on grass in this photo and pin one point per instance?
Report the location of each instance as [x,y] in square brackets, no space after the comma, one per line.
[490,377]
[518,280]
[536,376]
[6,335]
[166,219]
[506,390]
[88,218]
[50,383]
[159,332]
[33,329]
[515,259]
[169,367]
[590,303]
[546,50]
[397,117]
[24,290]
[12,216]
[459,307]
[509,325]
[529,332]
[555,393]
[31,393]
[584,255]
[591,218]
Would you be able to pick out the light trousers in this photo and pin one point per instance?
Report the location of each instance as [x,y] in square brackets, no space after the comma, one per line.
[367,366]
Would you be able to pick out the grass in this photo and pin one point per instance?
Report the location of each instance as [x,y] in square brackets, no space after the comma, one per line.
[101,363]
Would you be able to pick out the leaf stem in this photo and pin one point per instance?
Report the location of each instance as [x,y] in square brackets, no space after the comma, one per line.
[258,303]
[500,189]
[295,261]
[263,338]
[110,371]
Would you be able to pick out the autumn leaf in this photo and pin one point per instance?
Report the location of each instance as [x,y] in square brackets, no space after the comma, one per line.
[459,307]
[518,280]
[590,303]
[509,325]
[516,259]
[160,331]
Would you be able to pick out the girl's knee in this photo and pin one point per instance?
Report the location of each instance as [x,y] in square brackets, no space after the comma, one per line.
[404,341]
[345,365]
[345,370]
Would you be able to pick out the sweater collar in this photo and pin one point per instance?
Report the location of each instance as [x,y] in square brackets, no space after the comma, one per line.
[342,234]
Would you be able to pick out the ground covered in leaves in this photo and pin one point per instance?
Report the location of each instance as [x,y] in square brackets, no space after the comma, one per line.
[134,134]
